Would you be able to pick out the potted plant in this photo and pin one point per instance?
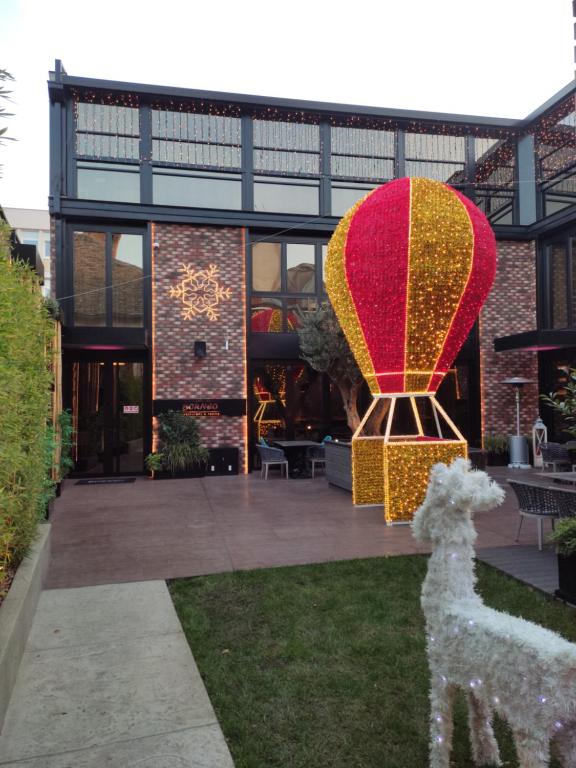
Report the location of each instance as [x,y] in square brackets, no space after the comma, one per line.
[180,447]
[496,447]
[153,463]
[564,537]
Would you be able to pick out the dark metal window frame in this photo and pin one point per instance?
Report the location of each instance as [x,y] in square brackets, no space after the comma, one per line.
[326,181]
[67,285]
[284,295]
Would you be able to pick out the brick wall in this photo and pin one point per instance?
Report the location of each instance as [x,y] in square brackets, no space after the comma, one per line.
[510,308]
[178,375]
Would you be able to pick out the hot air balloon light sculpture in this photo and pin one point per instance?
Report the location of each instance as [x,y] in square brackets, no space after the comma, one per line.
[407,272]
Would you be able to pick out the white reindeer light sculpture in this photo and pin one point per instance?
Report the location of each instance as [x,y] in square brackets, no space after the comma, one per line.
[523,672]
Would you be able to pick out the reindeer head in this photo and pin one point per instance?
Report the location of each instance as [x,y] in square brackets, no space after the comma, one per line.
[453,494]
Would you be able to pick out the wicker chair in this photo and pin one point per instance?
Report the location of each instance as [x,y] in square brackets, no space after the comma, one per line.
[541,502]
[270,457]
[556,457]
[316,455]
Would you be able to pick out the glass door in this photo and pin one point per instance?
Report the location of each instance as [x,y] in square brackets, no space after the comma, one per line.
[107,403]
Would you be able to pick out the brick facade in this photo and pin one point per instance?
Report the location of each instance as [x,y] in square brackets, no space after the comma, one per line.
[510,308]
[178,375]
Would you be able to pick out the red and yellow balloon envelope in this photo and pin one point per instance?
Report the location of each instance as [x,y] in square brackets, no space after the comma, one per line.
[407,272]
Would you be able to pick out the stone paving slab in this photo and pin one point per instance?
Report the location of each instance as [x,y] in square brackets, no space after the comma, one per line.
[188,527]
[108,677]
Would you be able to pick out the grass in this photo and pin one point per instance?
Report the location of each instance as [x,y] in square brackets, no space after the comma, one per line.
[325,665]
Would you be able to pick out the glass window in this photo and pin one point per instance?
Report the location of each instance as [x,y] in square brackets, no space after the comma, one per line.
[266,315]
[188,138]
[439,147]
[300,268]
[324,255]
[89,278]
[127,272]
[296,308]
[450,173]
[557,265]
[361,153]
[107,131]
[29,237]
[344,197]
[119,183]
[285,147]
[266,267]
[278,196]
[209,190]
[47,249]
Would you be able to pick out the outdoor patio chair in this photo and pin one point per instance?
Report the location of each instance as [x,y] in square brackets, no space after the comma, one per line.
[555,457]
[316,455]
[541,502]
[270,457]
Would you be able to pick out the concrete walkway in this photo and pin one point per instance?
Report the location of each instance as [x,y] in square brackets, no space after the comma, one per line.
[108,681]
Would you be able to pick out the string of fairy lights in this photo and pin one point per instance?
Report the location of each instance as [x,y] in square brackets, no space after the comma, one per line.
[205,135]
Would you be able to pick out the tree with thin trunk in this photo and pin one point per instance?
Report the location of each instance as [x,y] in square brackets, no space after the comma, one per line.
[325,348]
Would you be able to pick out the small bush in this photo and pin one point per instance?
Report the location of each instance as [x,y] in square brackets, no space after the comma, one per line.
[26,443]
[180,445]
[564,536]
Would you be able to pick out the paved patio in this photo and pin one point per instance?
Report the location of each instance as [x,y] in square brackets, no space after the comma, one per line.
[173,528]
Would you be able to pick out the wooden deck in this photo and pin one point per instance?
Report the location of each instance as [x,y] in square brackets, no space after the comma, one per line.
[526,563]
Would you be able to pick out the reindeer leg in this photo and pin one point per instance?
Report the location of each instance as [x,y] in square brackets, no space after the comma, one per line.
[484,746]
[565,746]
[532,752]
[441,723]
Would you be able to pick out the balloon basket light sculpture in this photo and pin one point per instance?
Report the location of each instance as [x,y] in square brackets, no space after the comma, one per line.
[407,272]
[393,469]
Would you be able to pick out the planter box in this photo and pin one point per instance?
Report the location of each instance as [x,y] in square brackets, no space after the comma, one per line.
[339,464]
[199,472]
[17,612]
[567,578]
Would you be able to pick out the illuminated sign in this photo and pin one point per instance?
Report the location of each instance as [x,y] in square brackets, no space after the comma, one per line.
[202,408]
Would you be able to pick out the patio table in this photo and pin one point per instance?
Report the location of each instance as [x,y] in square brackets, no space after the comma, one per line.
[565,477]
[295,451]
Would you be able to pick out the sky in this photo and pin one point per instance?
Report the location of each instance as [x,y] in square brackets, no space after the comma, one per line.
[501,58]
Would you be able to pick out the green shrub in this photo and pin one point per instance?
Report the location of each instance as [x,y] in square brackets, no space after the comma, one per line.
[564,536]
[495,443]
[26,443]
[180,442]
[66,443]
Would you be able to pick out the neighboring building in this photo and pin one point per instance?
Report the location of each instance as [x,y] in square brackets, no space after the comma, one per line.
[190,230]
[32,227]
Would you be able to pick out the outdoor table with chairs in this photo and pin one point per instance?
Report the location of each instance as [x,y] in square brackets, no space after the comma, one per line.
[295,458]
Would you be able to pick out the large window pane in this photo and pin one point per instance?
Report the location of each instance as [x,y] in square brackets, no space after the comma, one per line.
[198,191]
[424,146]
[89,256]
[343,198]
[285,147]
[278,196]
[300,268]
[266,261]
[558,284]
[116,183]
[187,138]
[362,153]
[127,273]
[296,309]
[451,173]
[266,315]
[107,131]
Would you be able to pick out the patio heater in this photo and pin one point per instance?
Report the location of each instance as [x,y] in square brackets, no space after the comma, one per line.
[517,445]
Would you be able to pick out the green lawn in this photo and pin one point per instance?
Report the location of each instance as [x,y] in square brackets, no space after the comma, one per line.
[324,666]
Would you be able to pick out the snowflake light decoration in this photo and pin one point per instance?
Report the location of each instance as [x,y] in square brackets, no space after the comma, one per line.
[200,292]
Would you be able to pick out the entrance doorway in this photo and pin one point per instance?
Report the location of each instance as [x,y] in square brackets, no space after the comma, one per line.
[106,398]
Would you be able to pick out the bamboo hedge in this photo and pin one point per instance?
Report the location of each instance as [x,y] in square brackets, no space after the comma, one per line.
[26,440]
